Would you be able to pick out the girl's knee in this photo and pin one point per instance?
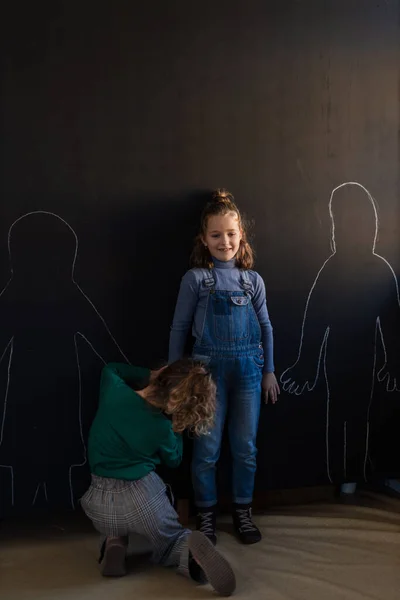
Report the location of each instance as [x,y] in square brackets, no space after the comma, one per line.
[244,450]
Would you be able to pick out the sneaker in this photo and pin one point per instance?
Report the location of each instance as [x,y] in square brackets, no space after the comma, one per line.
[245,529]
[113,557]
[206,523]
[217,571]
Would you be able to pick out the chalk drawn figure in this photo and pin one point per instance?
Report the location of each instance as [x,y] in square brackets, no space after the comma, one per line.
[43,316]
[353,306]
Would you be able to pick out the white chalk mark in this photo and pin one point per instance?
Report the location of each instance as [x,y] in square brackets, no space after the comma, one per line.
[91,346]
[11,342]
[291,385]
[371,396]
[80,423]
[36,493]
[328,396]
[366,451]
[78,333]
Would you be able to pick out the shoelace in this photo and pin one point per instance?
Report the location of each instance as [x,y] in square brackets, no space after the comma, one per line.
[246,524]
[207,526]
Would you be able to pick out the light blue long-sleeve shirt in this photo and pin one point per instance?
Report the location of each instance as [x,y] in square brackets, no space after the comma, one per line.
[192,302]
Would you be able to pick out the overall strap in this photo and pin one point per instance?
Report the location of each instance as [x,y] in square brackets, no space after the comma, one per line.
[246,283]
[208,278]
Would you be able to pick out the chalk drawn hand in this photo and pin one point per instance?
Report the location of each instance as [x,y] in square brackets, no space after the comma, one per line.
[270,388]
[389,375]
[296,380]
[388,326]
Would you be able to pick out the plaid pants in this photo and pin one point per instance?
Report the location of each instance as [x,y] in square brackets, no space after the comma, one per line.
[118,508]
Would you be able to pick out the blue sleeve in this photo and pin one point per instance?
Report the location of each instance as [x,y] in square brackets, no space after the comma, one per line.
[183,318]
[267,338]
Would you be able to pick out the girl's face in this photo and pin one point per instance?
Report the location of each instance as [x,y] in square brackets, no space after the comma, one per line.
[223,236]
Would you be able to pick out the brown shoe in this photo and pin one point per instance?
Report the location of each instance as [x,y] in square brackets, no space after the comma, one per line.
[113,558]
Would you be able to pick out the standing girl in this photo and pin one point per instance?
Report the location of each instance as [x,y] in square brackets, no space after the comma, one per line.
[225,304]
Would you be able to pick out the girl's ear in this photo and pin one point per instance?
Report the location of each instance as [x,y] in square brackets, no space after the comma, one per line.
[203,240]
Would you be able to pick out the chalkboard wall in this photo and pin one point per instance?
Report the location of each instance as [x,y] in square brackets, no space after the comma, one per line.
[117,118]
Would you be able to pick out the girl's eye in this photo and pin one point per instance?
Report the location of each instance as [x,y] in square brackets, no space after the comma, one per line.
[215,235]
[232,234]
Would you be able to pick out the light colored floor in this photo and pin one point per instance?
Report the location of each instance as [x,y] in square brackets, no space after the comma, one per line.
[321,552]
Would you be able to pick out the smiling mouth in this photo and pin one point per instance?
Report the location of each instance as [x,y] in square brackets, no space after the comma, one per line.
[225,249]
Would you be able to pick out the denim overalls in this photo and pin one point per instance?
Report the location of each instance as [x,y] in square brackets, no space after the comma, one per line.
[231,345]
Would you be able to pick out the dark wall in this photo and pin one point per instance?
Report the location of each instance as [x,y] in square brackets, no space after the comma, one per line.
[117,118]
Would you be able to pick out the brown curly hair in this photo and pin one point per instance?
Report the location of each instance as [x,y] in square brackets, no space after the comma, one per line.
[222,202]
[185,390]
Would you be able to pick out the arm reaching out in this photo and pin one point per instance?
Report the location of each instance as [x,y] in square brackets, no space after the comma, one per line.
[171,449]
[133,376]
[388,324]
[303,374]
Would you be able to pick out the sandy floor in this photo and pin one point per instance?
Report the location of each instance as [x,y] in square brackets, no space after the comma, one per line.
[321,552]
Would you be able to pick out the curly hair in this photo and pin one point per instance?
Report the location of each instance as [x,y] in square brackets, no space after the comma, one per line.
[186,391]
[222,203]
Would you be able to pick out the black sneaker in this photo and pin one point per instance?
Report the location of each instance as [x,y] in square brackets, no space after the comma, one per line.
[196,572]
[206,523]
[245,529]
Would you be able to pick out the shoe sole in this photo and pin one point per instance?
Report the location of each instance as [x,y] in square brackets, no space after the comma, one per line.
[216,568]
[213,540]
[114,561]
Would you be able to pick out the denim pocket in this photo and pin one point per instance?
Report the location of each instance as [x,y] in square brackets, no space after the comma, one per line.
[240,300]
[258,360]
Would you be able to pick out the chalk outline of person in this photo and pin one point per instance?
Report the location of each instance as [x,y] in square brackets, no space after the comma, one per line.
[10,346]
[292,387]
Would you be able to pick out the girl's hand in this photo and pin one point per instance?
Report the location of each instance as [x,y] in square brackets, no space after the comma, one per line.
[154,374]
[270,388]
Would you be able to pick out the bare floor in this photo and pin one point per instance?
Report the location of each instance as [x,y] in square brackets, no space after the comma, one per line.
[320,551]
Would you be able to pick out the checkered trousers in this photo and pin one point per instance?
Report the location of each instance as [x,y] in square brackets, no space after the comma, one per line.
[118,508]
